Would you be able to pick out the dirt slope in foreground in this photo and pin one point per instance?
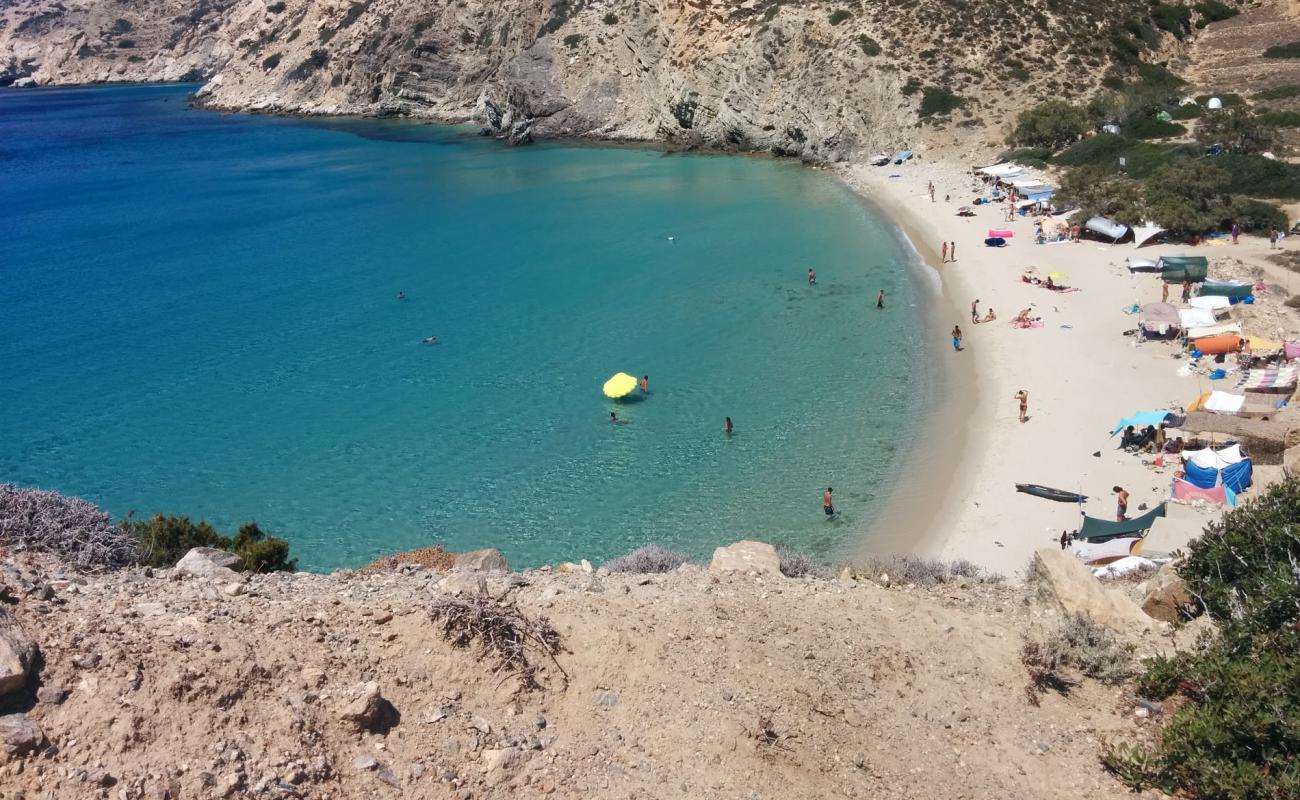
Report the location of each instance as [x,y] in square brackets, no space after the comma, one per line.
[688,685]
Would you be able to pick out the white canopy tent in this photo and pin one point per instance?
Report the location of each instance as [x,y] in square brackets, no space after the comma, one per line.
[1146,232]
[1106,227]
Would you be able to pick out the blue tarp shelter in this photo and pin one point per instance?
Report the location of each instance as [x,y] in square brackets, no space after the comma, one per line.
[1141,419]
[1236,477]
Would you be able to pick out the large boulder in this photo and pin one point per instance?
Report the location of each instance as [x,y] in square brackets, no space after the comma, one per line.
[17,654]
[489,560]
[19,736]
[746,556]
[208,562]
[1063,578]
[1168,599]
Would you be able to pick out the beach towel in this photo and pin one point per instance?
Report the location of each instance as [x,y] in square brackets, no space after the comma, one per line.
[1292,350]
[1213,330]
[1038,323]
[1273,378]
[1123,566]
[1196,318]
[995,241]
[1004,233]
[1223,402]
[1210,302]
[1105,552]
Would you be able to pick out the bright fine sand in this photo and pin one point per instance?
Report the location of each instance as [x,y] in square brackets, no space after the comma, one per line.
[1081,372]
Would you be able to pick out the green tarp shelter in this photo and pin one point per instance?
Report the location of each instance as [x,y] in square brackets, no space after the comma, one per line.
[1176,269]
[1226,289]
[1099,530]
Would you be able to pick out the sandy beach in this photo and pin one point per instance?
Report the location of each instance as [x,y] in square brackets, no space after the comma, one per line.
[1080,370]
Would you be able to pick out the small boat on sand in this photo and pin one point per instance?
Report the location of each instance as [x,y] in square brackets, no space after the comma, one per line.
[1048,493]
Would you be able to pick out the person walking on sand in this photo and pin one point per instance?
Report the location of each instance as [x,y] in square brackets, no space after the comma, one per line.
[956,338]
[1187,291]
[945,252]
[1023,397]
[644,385]
[880,299]
[952,252]
[812,277]
[726,426]
[828,502]
[1121,503]
[1272,238]
[1236,231]
[975,311]
[1164,292]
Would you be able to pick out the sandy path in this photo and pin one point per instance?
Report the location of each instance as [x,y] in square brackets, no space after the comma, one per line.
[1081,372]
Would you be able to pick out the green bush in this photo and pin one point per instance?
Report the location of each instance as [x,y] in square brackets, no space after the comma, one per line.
[1214,11]
[1053,124]
[610,19]
[271,61]
[1105,150]
[869,46]
[935,100]
[1256,215]
[1235,128]
[911,87]
[840,15]
[1189,111]
[1286,92]
[162,541]
[1289,50]
[1099,191]
[1236,734]
[1152,128]
[1261,177]
[1176,19]
[573,40]
[1188,196]
[1279,119]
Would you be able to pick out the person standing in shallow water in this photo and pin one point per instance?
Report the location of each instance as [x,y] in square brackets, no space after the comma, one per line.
[828,502]
[880,299]
[645,384]
[812,278]
[726,426]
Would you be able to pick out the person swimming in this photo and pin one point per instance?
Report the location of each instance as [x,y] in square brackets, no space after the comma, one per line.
[726,426]
[615,420]
[429,340]
[401,295]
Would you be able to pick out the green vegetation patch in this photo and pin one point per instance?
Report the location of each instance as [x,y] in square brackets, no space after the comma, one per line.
[1279,119]
[1286,92]
[1289,50]
[840,15]
[162,541]
[1213,11]
[573,40]
[1152,128]
[935,100]
[869,46]
[610,19]
[1172,17]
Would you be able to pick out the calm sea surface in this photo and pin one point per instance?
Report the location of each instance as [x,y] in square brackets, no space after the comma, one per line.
[199,315]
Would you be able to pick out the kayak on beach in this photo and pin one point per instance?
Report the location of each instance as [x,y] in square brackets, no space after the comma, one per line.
[1047,493]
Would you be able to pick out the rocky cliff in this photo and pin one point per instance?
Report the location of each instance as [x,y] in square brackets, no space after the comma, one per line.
[820,80]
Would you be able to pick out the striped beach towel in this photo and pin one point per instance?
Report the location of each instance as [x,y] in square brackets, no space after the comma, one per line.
[1271,378]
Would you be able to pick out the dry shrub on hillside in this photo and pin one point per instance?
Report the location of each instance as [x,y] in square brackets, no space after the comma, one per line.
[1077,646]
[434,558]
[926,571]
[68,527]
[796,565]
[649,559]
[504,635]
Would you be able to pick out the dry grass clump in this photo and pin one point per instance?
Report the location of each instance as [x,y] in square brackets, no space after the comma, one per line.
[434,558]
[926,571]
[649,559]
[796,565]
[1076,647]
[504,635]
[76,531]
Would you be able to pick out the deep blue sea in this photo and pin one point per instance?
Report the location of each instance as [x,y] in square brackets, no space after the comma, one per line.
[199,315]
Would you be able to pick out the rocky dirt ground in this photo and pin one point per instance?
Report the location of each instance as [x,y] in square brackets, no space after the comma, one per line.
[692,684]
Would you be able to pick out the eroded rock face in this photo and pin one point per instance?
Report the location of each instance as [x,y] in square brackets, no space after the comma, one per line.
[1168,599]
[746,556]
[487,560]
[1062,577]
[17,654]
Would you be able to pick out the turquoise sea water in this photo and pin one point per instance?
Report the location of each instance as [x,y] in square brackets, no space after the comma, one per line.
[199,315]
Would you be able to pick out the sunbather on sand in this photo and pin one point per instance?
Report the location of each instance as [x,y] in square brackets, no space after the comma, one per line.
[989,317]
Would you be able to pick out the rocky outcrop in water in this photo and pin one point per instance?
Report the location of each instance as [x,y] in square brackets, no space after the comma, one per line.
[819,80]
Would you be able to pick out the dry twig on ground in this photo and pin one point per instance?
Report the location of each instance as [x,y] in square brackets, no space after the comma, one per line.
[68,527]
[503,634]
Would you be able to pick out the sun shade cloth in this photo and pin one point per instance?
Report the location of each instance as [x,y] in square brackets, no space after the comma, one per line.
[1106,227]
[1258,345]
[1196,318]
[1176,269]
[1212,459]
[1103,529]
[1104,552]
[1213,330]
[1159,317]
[1141,419]
[1223,402]
[1220,495]
[1226,288]
[1144,233]
[621,385]
[1210,302]
[1003,170]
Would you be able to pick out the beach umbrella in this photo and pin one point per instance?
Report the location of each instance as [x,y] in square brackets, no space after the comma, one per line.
[621,385]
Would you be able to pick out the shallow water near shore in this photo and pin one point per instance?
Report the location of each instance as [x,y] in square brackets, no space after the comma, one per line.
[200,316]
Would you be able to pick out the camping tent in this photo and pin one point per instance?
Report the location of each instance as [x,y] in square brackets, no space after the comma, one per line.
[1100,530]
[1228,467]
[1107,227]
[1159,318]
[1226,288]
[1143,234]
[1221,495]
[1003,171]
[1176,269]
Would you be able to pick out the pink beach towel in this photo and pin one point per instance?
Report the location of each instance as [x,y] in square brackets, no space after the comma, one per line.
[1184,490]
[1004,234]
